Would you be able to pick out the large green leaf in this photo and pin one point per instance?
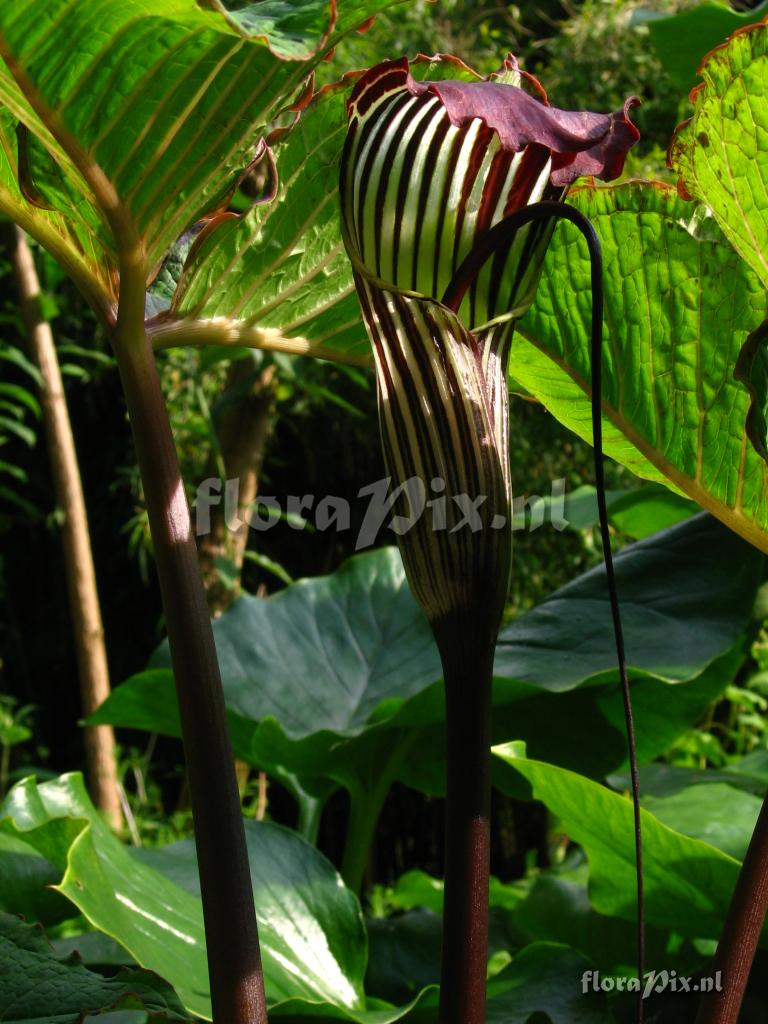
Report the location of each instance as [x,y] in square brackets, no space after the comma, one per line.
[545,979]
[278,276]
[334,653]
[158,110]
[679,871]
[37,987]
[720,807]
[721,157]
[679,306]
[721,152]
[331,676]
[312,936]
[685,596]
[722,816]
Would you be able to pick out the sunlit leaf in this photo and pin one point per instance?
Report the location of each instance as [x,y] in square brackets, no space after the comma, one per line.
[680,304]
[312,937]
[158,111]
[678,871]
[721,157]
[278,276]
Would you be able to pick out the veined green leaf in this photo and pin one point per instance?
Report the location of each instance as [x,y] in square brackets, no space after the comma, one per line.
[38,987]
[679,306]
[721,153]
[721,157]
[74,235]
[159,110]
[278,276]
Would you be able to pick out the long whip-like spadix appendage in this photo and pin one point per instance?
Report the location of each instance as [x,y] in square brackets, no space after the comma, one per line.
[497,237]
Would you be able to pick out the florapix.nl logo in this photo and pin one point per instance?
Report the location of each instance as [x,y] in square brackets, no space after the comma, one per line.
[653,982]
[397,509]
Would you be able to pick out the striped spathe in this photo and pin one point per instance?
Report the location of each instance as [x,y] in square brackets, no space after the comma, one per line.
[428,168]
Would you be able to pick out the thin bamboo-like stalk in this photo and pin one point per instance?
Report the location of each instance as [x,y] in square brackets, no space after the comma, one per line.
[87,627]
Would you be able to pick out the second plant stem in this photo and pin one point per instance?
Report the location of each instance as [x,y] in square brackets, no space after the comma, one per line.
[741,932]
[468,672]
[234,962]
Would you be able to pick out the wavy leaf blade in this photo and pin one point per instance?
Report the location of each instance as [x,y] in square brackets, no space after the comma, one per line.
[313,944]
[679,306]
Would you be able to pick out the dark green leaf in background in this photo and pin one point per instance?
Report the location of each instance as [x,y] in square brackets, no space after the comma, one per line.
[334,676]
[682,40]
[37,987]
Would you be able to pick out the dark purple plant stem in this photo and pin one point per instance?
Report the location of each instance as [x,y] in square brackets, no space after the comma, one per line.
[499,235]
[741,932]
[234,962]
[468,672]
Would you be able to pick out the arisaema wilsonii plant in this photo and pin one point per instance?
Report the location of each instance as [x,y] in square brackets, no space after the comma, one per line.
[449,192]
[110,152]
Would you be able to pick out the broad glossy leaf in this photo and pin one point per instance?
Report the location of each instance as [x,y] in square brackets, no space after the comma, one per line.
[718,813]
[678,871]
[329,676]
[306,918]
[685,596]
[279,273]
[312,937]
[682,40]
[679,306]
[331,653]
[38,987]
[160,109]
